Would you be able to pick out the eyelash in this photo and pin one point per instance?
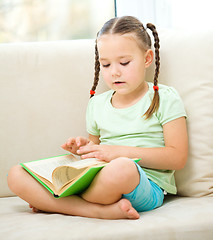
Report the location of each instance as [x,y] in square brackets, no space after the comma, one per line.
[105,66]
[126,63]
[123,64]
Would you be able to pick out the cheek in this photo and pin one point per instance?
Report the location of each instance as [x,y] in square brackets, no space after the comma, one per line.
[106,76]
[139,70]
[103,73]
[135,73]
[130,72]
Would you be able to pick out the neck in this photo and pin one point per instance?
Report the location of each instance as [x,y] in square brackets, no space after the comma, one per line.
[127,100]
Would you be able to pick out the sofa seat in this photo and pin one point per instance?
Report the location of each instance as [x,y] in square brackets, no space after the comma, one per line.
[184,218]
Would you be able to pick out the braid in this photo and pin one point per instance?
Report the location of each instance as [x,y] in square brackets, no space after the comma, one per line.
[157,55]
[97,70]
[156,99]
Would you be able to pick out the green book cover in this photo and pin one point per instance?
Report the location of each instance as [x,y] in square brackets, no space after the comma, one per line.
[65,175]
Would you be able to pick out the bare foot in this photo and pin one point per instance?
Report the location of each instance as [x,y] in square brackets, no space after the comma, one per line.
[35,210]
[120,210]
[128,210]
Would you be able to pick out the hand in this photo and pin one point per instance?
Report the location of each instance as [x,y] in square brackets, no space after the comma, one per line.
[73,144]
[101,152]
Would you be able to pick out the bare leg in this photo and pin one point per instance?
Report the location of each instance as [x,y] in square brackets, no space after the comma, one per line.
[119,177]
[27,188]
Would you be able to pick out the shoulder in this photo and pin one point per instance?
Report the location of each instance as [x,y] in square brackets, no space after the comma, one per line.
[100,99]
[95,110]
[165,92]
[170,99]
[103,96]
[171,105]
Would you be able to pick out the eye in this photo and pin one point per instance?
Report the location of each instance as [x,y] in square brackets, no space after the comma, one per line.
[105,65]
[125,63]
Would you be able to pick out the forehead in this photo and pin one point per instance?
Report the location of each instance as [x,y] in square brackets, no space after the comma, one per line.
[112,44]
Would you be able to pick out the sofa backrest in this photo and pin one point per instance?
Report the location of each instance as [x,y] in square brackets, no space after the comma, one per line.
[187,65]
[44,90]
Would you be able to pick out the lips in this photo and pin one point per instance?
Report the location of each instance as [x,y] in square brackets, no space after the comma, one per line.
[118,82]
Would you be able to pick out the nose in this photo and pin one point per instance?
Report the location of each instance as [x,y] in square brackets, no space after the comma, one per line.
[115,71]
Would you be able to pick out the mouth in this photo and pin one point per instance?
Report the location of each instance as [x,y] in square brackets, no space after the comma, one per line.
[118,83]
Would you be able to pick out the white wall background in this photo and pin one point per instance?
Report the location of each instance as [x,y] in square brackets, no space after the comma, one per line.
[184,14]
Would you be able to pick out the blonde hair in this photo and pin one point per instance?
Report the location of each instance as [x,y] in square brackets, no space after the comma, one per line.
[129,24]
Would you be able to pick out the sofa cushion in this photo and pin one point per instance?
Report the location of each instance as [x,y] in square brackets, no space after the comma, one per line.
[179,218]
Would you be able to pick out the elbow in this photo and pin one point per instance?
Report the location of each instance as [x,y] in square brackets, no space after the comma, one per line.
[180,166]
[179,157]
[181,162]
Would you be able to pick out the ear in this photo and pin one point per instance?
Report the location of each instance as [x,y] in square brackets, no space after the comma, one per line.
[148,58]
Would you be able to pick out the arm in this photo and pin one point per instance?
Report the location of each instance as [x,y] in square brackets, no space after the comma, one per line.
[173,156]
[94,139]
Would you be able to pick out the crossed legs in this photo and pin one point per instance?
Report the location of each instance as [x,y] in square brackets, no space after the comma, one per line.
[101,200]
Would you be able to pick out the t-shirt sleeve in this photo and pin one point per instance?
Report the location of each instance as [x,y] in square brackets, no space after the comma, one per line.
[91,124]
[171,106]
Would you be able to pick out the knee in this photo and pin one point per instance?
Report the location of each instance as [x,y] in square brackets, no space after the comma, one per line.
[14,178]
[122,170]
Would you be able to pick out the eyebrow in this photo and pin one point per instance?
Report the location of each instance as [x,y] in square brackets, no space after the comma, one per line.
[125,56]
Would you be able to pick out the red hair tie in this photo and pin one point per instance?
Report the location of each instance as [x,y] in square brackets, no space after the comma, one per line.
[155,88]
[92,92]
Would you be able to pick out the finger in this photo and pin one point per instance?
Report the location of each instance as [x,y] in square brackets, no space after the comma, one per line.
[81,141]
[87,149]
[70,141]
[64,146]
[89,155]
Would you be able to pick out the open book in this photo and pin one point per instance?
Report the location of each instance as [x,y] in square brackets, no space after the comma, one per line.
[65,175]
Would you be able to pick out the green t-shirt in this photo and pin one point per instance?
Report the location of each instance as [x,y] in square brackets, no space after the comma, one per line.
[128,126]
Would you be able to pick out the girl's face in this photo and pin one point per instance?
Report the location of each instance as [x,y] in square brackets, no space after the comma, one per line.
[123,63]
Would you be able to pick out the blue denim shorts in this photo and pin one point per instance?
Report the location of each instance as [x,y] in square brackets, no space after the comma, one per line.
[147,195]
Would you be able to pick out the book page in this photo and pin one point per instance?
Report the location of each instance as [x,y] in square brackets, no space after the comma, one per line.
[65,174]
[45,167]
[85,163]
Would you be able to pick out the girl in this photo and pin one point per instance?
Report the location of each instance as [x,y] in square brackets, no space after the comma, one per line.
[135,119]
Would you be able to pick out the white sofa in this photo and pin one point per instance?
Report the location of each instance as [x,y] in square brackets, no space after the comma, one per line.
[44,90]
